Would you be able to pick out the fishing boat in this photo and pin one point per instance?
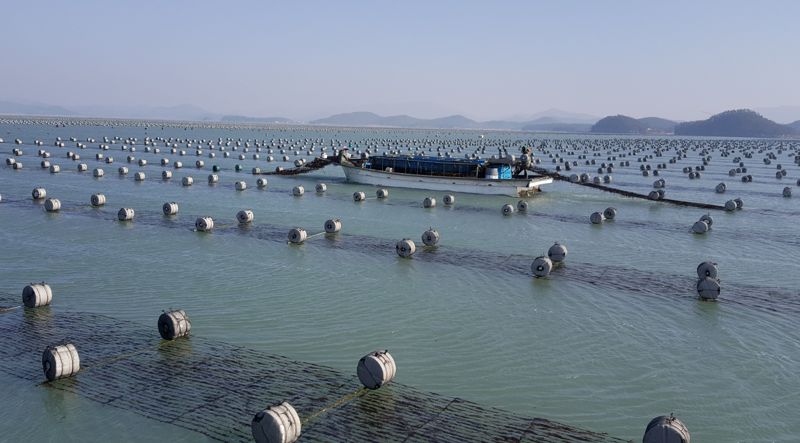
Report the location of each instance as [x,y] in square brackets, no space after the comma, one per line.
[507,175]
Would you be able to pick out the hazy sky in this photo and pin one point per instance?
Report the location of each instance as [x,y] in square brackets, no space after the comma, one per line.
[302,59]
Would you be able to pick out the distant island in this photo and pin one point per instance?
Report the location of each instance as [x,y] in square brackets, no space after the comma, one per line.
[622,124]
[737,123]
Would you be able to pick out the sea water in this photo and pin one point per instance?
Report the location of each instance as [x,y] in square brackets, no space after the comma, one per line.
[614,338]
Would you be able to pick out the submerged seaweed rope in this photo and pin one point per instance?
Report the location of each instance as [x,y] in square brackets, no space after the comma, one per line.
[215,388]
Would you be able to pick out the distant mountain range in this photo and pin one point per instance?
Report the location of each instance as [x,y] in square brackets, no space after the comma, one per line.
[450,122]
[737,123]
[622,124]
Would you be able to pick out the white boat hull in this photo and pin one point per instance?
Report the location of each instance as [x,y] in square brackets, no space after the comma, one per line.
[511,187]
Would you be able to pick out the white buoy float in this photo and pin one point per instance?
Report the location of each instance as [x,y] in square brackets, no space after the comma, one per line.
[541,266]
[245,216]
[610,213]
[708,288]
[55,169]
[83,167]
[665,429]
[39,193]
[297,235]
[187,181]
[170,208]
[52,205]
[449,199]
[139,176]
[166,175]
[125,214]
[405,248]
[430,237]
[98,172]
[522,206]
[298,191]
[204,224]
[382,193]
[557,253]
[721,188]
[60,361]
[700,227]
[321,188]
[174,324]
[240,185]
[429,202]
[707,269]
[787,192]
[597,217]
[333,226]
[376,369]
[276,424]
[261,183]
[36,295]
[97,200]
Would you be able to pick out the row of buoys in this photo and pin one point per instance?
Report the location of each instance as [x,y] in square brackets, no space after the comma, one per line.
[299,235]
[406,247]
[708,287]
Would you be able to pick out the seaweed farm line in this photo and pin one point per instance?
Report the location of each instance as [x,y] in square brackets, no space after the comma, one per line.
[287,289]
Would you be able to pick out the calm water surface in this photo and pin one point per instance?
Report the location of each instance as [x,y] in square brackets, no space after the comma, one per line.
[610,341]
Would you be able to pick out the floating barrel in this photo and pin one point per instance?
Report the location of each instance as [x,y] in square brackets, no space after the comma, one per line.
[707,269]
[730,205]
[244,216]
[297,235]
[597,217]
[665,429]
[240,185]
[610,213]
[574,178]
[261,183]
[55,169]
[359,196]
[213,178]
[142,162]
[333,226]
[204,224]
[708,288]
[507,209]
[164,161]
[721,188]
[557,253]
[215,168]
[170,208]
[654,195]
[739,203]
[321,187]
[787,192]
[297,191]
[276,424]
[522,206]
[109,160]
[60,361]
[429,202]
[10,161]
[123,170]
[139,176]
[174,324]
[199,164]
[255,171]
[52,205]
[541,266]
[382,193]
[125,214]
[187,181]
[700,227]
[98,172]
[376,369]
[83,167]
[37,294]
[607,179]
[430,237]
[707,218]
[405,248]
[449,199]
[166,175]
[38,193]
[177,165]
[17,165]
